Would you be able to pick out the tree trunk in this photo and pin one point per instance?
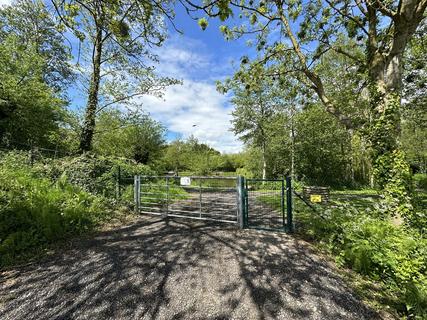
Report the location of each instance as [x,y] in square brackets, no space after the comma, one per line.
[391,171]
[92,103]
[264,162]
[292,143]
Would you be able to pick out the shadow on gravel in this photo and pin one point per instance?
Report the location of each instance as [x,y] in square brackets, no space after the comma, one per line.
[176,269]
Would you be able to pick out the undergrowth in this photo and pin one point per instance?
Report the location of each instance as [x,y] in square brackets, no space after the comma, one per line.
[391,255]
[40,206]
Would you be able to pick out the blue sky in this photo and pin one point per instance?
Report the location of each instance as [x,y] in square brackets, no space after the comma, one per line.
[198,58]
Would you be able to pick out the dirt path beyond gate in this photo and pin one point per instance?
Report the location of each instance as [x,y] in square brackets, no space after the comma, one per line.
[180,269]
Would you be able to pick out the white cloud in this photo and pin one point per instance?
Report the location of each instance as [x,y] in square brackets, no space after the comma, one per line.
[5,2]
[199,104]
[196,102]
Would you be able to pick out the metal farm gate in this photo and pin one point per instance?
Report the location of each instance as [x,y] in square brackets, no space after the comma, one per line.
[250,203]
[205,198]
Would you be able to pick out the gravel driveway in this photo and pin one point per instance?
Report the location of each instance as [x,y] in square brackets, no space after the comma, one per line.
[181,269]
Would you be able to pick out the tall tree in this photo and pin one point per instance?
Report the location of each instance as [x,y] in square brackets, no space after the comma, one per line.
[33,26]
[322,147]
[255,106]
[295,34]
[30,111]
[34,69]
[118,35]
[176,156]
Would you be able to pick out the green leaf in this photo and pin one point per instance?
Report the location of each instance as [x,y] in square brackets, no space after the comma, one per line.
[203,23]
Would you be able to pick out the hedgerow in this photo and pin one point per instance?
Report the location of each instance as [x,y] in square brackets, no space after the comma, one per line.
[49,201]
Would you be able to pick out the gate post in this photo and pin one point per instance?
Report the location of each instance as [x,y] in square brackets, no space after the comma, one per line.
[241,201]
[137,192]
[289,222]
[167,196]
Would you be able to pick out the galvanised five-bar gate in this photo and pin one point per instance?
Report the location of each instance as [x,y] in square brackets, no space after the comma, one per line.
[250,203]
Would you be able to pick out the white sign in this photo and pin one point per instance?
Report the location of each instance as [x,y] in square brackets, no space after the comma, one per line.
[185,181]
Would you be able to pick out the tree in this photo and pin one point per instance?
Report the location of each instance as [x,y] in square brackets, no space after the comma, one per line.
[35,70]
[199,158]
[135,136]
[255,107]
[176,156]
[414,124]
[117,34]
[202,159]
[230,162]
[322,148]
[380,30]
[32,25]
[281,144]
[30,111]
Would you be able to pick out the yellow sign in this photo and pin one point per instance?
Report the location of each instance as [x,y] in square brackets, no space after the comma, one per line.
[315,198]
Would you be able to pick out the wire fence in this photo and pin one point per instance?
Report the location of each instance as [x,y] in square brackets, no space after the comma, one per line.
[35,153]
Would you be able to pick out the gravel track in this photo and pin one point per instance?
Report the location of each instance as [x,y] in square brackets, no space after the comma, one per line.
[181,269]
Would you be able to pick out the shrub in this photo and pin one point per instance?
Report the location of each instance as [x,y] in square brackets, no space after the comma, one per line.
[35,211]
[245,173]
[95,174]
[420,180]
[394,255]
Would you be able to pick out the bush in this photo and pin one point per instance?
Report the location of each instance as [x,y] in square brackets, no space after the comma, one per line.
[394,255]
[391,254]
[35,211]
[245,173]
[95,174]
[420,180]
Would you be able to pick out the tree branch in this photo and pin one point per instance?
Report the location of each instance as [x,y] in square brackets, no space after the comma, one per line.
[316,82]
[378,4]
[361,26]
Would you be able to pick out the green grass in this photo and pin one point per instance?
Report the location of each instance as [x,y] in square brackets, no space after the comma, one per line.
[364,198]
[367,192]
[272,201]
[157,194]
[362,201]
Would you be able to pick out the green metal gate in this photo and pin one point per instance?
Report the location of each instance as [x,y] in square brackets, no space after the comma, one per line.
[267,204]
[252,203]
